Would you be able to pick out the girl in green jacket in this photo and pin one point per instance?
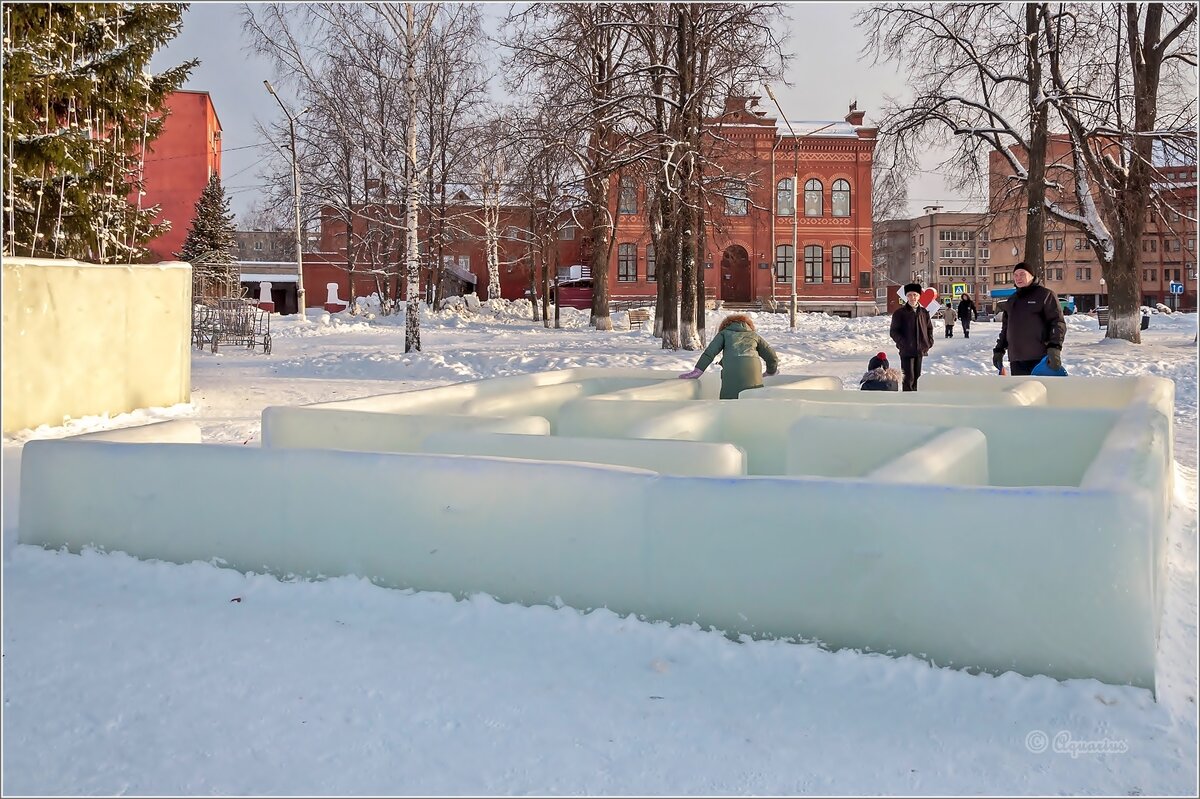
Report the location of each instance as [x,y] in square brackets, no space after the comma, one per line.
[740,367]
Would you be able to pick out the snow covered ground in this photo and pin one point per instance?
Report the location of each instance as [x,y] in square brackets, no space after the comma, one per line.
[122,676]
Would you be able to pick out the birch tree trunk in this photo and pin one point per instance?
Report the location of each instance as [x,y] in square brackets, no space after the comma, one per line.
[412,313]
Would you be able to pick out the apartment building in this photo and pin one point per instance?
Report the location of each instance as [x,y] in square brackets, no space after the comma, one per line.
[1167,250]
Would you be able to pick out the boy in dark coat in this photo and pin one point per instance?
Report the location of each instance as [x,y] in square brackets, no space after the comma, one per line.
[740,365]
[912,330]
[879,375]
[1033,327]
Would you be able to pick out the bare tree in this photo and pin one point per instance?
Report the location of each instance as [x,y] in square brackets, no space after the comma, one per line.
[1113,119]
[584,49]
[889,188]
[694,56]
[453,92]
[1000,75]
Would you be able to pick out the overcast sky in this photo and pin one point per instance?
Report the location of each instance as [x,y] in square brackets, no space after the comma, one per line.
[826,75]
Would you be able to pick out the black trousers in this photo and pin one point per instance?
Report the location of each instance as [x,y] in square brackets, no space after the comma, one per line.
[966,323]
[911,364]
[1023,367]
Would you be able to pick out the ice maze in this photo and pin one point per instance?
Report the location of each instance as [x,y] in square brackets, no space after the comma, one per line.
[983,523]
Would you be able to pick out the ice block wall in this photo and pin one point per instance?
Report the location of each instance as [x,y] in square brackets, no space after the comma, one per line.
[84,339]
[1052,565]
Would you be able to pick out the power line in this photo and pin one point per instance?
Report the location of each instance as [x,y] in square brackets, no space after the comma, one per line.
[202,152]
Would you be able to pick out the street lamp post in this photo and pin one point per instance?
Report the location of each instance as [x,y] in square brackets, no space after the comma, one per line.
[296,201]
[795,198]
[795,205]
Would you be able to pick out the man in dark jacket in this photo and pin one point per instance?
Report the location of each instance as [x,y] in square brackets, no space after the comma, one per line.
[1033,327]
[966,313]
[912,330]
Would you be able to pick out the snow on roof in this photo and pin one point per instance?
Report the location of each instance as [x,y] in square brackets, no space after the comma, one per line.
[461,274]
[818,127]
[250,277]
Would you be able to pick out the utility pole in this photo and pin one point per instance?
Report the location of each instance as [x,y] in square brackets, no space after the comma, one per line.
[296,201]
[795,198]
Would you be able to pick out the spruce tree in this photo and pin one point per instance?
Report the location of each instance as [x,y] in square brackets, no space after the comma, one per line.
[80,108]
[212,238]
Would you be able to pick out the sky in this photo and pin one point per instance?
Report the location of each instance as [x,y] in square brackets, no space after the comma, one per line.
[825,75]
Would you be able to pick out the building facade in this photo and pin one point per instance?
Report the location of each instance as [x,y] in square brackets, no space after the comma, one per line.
[178,165]
[798,201]
[376,261]
[750,231]
[1167,251]
[893,257]
[266,245]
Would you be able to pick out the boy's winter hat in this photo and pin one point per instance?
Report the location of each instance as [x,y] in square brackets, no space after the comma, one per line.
[912,287]
[879,361]
[1027,267]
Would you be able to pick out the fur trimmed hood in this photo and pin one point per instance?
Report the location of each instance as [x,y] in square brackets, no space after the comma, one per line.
[881,375]
[737,317]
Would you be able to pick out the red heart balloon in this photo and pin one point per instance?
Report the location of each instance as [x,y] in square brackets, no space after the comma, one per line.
[928,296]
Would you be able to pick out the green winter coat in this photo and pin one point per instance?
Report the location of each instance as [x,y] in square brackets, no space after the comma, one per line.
[740,365]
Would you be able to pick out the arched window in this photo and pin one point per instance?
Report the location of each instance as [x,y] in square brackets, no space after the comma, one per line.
[814,264]
[814,198]
[841,197]
[627,199]
[785,262]
[841,263]
[785,197]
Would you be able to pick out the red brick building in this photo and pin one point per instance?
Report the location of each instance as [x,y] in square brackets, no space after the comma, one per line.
[750,233]
[464,255]
[178,165]
[1167,253]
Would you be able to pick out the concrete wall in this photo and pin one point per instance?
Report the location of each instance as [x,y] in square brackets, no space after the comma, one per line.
[84,340]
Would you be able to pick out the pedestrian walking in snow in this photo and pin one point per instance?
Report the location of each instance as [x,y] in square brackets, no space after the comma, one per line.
[912,330]
[879,375]
[950,317]
[1033,327]
[741,349]
[966,313]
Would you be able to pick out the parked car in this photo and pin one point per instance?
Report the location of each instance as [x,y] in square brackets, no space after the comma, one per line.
[574,294]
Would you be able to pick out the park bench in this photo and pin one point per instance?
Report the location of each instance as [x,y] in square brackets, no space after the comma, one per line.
[639,317]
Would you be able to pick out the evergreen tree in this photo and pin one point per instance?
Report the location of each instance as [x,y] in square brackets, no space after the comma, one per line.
[80,108]
[212,237]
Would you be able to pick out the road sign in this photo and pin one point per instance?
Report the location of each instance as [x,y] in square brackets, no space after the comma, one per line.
[1176,288]
[959,288]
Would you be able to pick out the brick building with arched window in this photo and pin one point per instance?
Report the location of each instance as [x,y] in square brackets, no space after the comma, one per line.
[751,226]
